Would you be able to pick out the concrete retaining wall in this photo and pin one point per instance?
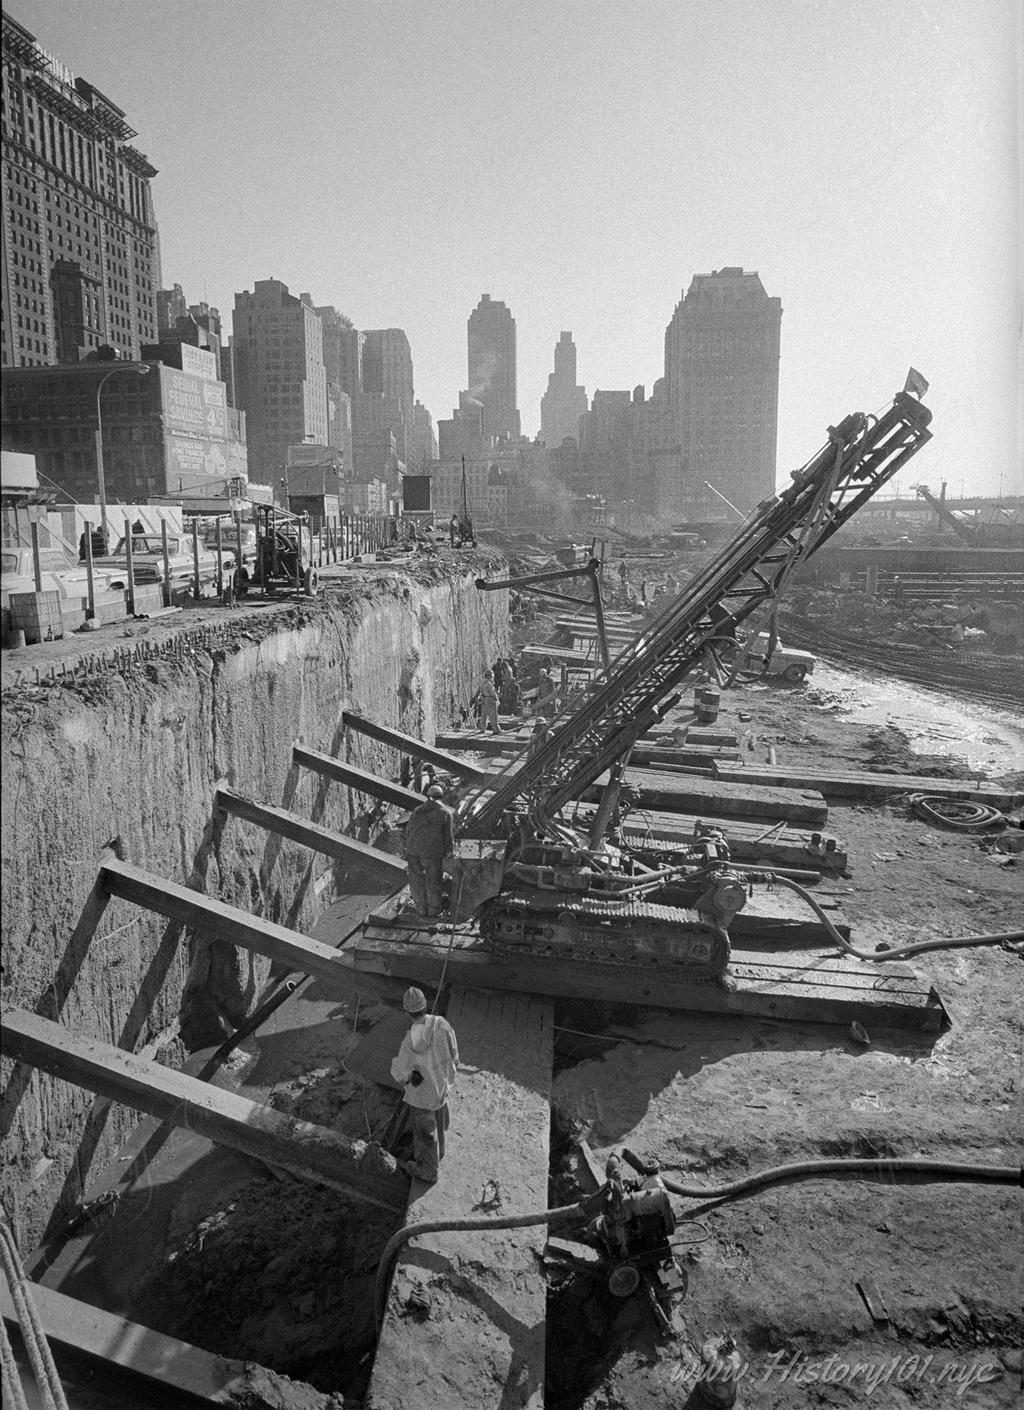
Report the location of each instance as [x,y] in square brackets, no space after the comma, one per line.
[137,757]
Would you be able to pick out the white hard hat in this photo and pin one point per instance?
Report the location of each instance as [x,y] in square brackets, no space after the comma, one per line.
[414,1000]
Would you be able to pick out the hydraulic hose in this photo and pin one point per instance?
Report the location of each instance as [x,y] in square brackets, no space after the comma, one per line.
[1005,937]
[438,1226]
[882,1166]
[796,1170]
[947,812]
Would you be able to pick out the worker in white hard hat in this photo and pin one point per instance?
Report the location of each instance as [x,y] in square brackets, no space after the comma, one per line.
[426,1066]
[429,838]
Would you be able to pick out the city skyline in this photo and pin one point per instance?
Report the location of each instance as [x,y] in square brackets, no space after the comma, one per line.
[871,185]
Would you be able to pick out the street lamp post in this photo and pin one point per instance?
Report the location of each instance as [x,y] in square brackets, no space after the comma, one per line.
[140,369]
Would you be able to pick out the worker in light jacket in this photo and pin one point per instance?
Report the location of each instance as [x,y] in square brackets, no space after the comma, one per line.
[426,1065]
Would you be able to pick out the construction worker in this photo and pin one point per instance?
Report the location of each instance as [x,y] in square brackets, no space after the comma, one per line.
[540,736]
[429,839]
[545,702]
[453,528]
[489,706]
[426,1066]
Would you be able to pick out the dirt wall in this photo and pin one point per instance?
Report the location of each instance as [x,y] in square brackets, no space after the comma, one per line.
[135,755]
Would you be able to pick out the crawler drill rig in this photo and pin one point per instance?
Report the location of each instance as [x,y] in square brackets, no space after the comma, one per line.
[538,885]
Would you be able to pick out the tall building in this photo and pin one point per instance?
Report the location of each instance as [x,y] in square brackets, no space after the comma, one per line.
[491,344]
[387,373]
[564,402]
[80,247]
[424,437]
[279,377]
[722,375]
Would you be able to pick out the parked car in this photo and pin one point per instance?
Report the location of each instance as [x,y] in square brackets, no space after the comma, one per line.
[246,572]
[148,561]
[60,573]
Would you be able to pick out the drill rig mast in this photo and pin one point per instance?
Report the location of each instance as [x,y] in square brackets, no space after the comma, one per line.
[557,893]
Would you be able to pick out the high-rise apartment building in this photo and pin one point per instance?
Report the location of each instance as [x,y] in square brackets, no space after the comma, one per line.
[80,250]
[279,377]
[491,345]
[564,402]
[722,376]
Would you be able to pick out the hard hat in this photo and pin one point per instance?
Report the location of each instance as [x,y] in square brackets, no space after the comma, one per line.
[435,791]
[414,1001]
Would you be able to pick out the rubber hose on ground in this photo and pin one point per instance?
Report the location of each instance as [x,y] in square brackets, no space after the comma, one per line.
[796,1170]
[1009,937]
[954,813]
[805,1169]
[437,1226]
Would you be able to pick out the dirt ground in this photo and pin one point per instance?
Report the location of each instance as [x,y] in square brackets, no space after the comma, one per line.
[714,1100]
[280,1274]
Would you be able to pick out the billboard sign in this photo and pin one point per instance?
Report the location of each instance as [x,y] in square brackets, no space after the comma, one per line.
[199,362]
[193,404]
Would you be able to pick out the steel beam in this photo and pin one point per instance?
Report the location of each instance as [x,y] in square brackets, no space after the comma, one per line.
[409,745]
[309,834]
[358,779]
[354,1168]
[227,923]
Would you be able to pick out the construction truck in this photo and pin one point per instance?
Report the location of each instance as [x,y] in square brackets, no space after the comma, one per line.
[537,882]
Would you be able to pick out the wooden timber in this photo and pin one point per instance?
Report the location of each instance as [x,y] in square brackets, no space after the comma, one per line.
[311,1152]
[408,744]
[228,923]
[750,840]
[512,740]
[806,987]
[359,779]
[645,755]
[309,834]
[127,1346]
[719,798]
[483,1343]
[853,783]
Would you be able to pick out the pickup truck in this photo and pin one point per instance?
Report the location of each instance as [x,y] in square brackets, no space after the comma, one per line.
[148,561]
[60,573]
[791,665]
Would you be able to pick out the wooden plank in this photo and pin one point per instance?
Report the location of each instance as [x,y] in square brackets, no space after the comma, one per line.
[713,798]
[408,744]
[309,834]
[312,1152]
[862,784]
[645,755]
[782,847]
[67,1322]
[807,988]
[227,923]
[483,1343]
[509,741]
[359,779]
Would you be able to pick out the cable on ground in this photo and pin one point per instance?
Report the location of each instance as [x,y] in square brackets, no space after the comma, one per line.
[954,813]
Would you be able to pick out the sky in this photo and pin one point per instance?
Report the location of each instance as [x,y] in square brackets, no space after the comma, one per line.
[582,160]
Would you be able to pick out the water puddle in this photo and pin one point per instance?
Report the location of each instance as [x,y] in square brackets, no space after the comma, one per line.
[989,739]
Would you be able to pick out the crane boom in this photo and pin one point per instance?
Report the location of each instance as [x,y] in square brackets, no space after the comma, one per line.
[861,455]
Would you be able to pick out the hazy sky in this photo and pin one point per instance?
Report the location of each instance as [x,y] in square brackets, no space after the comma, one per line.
[582,160]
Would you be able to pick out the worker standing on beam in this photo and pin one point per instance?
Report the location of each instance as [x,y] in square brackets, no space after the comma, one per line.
[489,706]
[429,838]
[426,1066]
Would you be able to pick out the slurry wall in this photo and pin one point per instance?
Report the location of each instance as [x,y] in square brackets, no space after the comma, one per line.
[136,756]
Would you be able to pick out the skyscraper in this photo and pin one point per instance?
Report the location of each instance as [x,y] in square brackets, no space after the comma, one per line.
[279,376]
[80,251]
[387,373]
[722,376]
[564,402]
[491,341]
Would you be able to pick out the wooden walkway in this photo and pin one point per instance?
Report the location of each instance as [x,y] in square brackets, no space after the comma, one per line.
[479,1341]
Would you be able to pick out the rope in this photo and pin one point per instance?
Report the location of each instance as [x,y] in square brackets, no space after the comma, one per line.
[40,1357]
[14,1392]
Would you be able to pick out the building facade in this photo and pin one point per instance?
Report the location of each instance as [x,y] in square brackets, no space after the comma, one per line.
[491,349]
[424,438]
[722,376]
[279,377]
[167,433]
[80,248]
[564,402]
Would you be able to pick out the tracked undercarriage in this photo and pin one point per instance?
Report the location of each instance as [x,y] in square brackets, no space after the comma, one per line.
[633,932]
